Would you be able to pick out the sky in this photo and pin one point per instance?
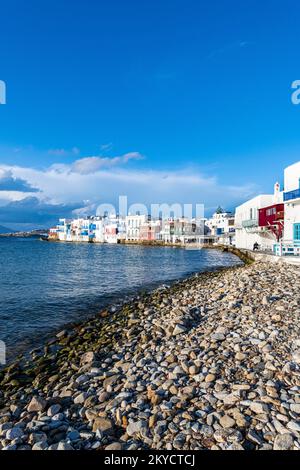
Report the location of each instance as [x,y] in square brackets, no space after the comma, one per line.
[165,101]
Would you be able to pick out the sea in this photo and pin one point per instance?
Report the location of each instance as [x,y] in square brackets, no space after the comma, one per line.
[45,286]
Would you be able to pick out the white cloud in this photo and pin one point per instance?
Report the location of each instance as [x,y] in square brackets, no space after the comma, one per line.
[95,182]
[89,165]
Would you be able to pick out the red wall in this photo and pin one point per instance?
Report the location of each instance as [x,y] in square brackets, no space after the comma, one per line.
[264,219]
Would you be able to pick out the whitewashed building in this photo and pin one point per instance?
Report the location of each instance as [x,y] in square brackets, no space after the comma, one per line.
[114,230]
[99,223]
[64,230]
[133,224]
[249,226]
[291,198]
[222,227]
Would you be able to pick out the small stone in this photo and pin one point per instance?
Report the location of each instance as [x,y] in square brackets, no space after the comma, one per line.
[104,425]
[179,329]
[14,433]
[73,435]
[53,410]
[296,356]
[152,421]
[210,378]
[193,370]
[254,437]
[293,426]
[82,379]
[64,446]
[114,446]
[88,357]
[295,407]
[276,318]
[37,404]
[283,442]
[37,437]
[227,422]
[218,337]
[240,356]
[135,428]
[80,398]
[259,408]
[42,445]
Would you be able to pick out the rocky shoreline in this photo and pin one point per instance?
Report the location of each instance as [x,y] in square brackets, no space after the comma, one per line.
[212,362]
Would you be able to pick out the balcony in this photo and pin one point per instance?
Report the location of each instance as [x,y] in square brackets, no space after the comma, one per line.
[251,223]
[291,195]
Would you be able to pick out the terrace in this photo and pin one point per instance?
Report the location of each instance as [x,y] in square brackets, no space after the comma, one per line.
[250,223]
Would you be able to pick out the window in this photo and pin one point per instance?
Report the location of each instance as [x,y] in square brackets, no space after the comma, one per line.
[297,232]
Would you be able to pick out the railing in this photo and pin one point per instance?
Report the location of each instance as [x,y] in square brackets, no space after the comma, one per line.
[289,196]
[287,248]
[250,223]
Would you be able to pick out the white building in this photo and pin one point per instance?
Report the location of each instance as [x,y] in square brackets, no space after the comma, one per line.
[64,230]
[133,224]
[114,230]
[247,225]
[291,197]
[222,227]
[99,229]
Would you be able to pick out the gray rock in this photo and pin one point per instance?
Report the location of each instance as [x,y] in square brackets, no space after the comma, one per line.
[41,445]
[73,435]
[64,446]
[259,408]
[14,433]
[179,329]
[283,442]
[254,437]
[53,410]
[293,426]
[135,428]
[114,446]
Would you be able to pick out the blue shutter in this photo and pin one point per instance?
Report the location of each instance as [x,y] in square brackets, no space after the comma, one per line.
[297,232]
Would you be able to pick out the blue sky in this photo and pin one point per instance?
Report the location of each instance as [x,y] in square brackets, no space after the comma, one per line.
[163,100]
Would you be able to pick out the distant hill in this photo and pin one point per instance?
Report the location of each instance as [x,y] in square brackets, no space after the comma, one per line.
[5,229]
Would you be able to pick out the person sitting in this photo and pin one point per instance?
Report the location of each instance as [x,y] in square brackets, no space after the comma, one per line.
[255,246]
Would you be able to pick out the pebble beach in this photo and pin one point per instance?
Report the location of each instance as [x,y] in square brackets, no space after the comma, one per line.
[211,362]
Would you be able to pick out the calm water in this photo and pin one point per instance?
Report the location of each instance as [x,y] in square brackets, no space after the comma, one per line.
[44,286]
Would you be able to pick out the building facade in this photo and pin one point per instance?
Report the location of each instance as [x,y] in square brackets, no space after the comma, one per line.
[291,199]
[222,227]
[133,225]
[251,221]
